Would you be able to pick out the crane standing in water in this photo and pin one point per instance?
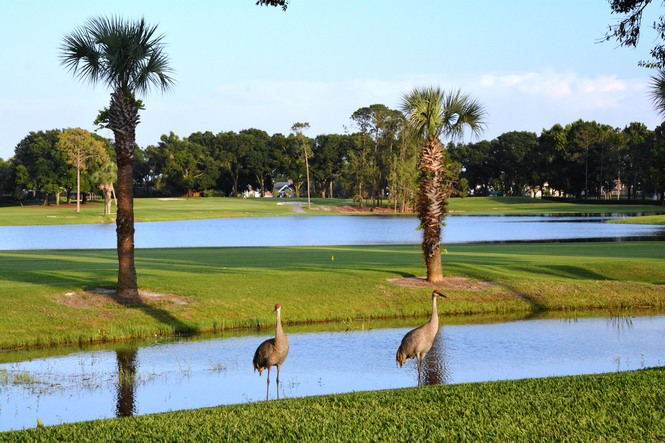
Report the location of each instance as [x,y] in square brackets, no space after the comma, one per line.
[417,342]
[272,352]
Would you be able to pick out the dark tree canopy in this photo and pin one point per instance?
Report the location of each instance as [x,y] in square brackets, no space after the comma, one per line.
[627,30]
[283,3]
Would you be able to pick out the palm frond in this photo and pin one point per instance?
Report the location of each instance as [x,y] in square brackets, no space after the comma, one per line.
[462,112]
[657,92]
[127,56]
[423,109]
[431,113]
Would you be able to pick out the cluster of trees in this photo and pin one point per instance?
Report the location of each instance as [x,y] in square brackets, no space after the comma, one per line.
[376,164]
[376,161]
[47,164]
[583,160]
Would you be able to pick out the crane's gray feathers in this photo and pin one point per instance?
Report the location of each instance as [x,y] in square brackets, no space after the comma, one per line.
[417,342]
[262,355]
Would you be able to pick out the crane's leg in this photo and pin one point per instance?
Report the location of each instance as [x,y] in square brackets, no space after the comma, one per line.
[278,368]
[268,384]
[420,364]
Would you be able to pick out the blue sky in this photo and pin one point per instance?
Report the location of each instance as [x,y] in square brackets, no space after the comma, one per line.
[532,63]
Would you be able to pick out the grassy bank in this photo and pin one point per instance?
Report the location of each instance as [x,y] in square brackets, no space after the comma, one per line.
[155,209]
[54,297]
[625,406]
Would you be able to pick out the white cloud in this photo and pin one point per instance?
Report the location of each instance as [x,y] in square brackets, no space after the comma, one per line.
[561,87]
[515,101]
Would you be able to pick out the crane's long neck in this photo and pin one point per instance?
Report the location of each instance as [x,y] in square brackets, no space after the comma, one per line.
[434,321]
[279,333]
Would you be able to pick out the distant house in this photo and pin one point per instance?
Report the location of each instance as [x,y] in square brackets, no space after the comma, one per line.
[284,189]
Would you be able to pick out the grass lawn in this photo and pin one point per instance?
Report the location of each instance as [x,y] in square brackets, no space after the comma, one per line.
[53,297]
[642,220]
[155,209]
[621,407]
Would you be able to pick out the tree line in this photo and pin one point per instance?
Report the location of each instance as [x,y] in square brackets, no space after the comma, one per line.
[375,165]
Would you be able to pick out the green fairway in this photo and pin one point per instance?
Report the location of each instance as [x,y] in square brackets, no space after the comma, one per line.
[53,297]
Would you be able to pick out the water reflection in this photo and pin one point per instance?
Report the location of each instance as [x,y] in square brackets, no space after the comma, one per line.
[126,404]
[620,322]
[436,363]
[189,374]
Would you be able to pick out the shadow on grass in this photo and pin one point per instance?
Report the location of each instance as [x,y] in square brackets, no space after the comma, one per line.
[166,318]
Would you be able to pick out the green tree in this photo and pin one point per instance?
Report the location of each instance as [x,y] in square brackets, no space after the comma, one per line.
[584,139]
[182,167]
[298,129]
[81,147]
[634,156]
[552,144]
[129,58]
[657,167]
[330,152]
[41,167]
[432,114]
[231,156]
[510,152]
[403,171]
[5,177]
[260,163]
[476,165]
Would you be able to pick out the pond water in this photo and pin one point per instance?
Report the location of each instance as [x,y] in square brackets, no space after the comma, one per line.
[192,374]
[323,230]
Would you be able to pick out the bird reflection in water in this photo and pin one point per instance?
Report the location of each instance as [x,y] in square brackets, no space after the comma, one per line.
[126,402]
[435,369]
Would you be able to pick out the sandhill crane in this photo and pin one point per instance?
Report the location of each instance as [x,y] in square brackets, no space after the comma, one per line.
[417,342]
[272,352]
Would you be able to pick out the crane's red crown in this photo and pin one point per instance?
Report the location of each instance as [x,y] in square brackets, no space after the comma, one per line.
[278,306]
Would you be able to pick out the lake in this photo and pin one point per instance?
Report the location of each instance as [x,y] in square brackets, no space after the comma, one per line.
[184,374]
[323,231]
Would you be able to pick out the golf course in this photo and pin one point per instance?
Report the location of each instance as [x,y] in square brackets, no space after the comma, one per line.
[54,298]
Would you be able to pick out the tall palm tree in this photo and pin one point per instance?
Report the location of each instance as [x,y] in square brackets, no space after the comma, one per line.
[432,114]
[128,57]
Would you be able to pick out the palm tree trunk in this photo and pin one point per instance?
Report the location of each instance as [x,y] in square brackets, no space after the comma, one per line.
[123,118]
[431,202]
[127,282]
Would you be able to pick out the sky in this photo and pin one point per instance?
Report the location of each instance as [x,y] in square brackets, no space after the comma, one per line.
[530,63]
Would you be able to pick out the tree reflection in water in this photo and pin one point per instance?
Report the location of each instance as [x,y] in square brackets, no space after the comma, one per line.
[435,369]
[126,403]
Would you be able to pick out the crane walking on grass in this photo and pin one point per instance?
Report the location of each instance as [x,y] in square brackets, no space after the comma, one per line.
[417,342]
[272,352]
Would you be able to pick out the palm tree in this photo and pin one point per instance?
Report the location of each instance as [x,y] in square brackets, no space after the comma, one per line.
[128,57]
[657,92]
[432,114]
